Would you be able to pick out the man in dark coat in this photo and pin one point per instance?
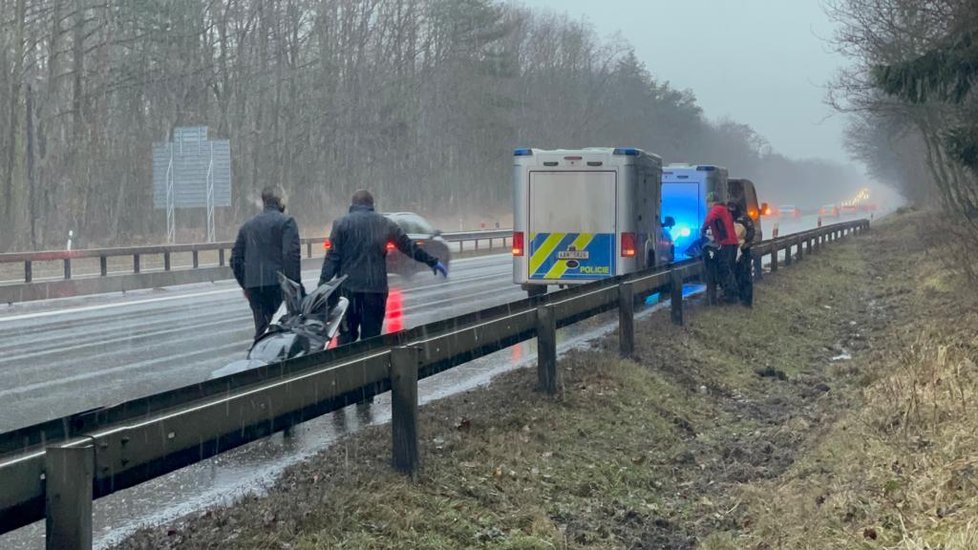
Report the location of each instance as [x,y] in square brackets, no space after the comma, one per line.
[358,249]
[266,245]
[744,268]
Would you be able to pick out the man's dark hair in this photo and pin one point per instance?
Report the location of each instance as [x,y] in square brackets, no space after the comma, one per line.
[362,198]
[273,196]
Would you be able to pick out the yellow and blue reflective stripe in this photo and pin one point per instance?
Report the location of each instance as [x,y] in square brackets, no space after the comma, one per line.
[560,267]
[539,255]
[542,260]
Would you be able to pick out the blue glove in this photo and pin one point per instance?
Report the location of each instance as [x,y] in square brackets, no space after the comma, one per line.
[440,268]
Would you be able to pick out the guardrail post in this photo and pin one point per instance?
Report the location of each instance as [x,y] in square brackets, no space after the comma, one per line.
[547,349]
[28,271]
[196,256]
[166,261]
[220,256]
[135,263]
[801,248]
[103,266]
[709,277]
[404,409]
[67,268]
[308,250]
[626,318]
[676,297]
[68,475]
[774,256]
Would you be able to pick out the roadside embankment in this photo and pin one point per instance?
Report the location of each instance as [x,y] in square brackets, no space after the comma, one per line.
[827,416]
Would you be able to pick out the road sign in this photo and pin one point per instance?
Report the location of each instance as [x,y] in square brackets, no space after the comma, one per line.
[191,172]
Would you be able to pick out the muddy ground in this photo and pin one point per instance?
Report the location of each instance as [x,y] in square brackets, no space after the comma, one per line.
[654,452]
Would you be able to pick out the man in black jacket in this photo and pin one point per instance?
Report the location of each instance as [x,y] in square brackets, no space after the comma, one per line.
[744,268]
[266,245]
[358,249]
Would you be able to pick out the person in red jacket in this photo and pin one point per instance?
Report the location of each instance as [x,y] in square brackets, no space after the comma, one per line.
[720,224]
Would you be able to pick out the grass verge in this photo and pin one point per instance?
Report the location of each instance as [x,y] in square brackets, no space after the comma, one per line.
[900,470]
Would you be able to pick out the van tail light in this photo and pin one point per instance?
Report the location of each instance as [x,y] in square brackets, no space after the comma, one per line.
[390,247]
[629,245]
[327,245]
[518,243]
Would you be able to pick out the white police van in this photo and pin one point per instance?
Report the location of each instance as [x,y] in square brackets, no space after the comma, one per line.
[687,190]
[585,214]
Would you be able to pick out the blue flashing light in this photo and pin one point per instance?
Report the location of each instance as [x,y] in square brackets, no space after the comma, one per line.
[682,202]
[522,152]
[627,151]
[706,168]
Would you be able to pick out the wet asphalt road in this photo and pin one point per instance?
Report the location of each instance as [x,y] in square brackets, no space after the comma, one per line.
[106,349]
[61,357]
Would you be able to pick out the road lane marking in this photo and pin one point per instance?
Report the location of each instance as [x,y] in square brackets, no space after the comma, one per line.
[135,302]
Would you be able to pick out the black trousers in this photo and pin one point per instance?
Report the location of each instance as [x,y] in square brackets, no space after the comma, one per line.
[745,278]
[264,302]
[726,260]
[364,316]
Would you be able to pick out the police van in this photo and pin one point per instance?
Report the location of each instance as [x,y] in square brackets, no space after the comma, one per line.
[583,215]
[687,190]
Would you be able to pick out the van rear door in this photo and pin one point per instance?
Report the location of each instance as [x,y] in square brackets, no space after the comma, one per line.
[682,201]
[572,229]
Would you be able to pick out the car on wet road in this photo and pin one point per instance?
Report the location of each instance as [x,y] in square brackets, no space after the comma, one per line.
[424,234]
[829,211]
[789,211]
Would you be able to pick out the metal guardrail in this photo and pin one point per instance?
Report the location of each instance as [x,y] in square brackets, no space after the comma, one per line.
[169,274]
[167,251]
[55,469]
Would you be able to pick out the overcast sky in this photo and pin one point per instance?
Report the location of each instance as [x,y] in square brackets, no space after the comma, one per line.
[761,62]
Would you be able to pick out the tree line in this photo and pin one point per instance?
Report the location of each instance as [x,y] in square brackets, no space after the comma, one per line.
[421,101]
[915,109]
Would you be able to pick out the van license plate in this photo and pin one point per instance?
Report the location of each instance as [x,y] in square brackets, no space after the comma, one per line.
[573,255]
